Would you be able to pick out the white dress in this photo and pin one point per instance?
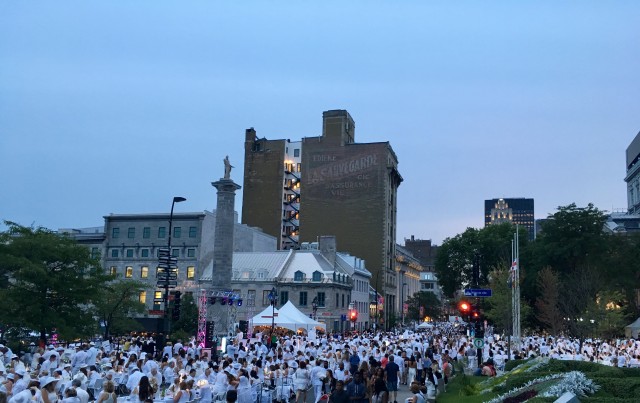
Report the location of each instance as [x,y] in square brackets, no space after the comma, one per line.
[301,379]
[244,391]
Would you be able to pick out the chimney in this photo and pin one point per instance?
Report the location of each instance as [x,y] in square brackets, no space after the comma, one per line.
[250,135]
[338,127]
[327,246]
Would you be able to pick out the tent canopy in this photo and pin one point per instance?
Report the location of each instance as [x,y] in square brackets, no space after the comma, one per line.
[304,321]
[633,329]
[288,317]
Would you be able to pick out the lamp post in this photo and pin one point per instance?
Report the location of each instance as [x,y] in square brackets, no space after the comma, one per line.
[402,303]
[176,199]
[273,296]
[314,306]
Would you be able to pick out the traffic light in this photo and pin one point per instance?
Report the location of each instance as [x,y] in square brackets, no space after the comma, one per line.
[175,314]
[353,315]
[464,307]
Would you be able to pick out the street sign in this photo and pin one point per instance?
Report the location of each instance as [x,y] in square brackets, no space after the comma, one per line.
[167,276]
[478,343]
[477,292]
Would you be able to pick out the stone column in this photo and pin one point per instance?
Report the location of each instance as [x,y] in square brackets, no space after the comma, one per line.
[223,252]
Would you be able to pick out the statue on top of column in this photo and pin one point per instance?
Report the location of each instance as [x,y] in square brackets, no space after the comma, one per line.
[227,168]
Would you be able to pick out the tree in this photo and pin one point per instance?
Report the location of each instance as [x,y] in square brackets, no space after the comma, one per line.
[50,282]
[498,308]
[188,321]
[430,303]
[548,302]
[572,238]
[118,302]
[492,244]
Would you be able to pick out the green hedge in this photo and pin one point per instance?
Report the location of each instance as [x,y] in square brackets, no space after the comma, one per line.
[590,369]
[511,364]
[619,387]
[598,399]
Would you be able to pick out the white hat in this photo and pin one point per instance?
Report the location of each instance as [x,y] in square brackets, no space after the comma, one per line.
[47,380]
[236,365]
[50,347]
[20,372]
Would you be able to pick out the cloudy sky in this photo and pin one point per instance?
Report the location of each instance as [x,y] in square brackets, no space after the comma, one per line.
[115,107]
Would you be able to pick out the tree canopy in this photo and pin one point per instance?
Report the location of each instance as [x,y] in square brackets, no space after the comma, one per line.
[575,277]
[48,282]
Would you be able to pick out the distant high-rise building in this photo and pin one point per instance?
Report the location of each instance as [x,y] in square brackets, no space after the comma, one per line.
[633,176]
[514,210]
[327,185]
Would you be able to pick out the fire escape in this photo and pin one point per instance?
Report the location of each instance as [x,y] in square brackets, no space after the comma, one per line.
[291,208]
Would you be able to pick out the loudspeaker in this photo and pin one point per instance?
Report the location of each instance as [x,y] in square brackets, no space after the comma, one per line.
[244,326]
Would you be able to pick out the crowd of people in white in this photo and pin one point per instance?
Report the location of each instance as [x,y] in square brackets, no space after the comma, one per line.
[362,368]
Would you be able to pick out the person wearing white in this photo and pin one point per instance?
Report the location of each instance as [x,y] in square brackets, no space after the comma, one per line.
[317,375]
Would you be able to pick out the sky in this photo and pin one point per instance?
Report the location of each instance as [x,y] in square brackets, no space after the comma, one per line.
[116,107]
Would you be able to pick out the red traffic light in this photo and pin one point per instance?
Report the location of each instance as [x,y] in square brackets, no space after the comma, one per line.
[353,315]
[464,306]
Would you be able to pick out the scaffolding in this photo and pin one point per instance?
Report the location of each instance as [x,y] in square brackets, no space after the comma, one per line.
[202,318]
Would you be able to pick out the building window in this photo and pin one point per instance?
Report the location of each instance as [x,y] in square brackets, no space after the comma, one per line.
[115,233]
[175,252]
[128,272]
[113,270]
[193,232]
[131,232]
[296,152]
[321,299]
[317,276]
[343,300]
[144,272]
[303,298]
[158,271]
[114,252]
[143,297]
[144,253]
[129,252]
[191,272]
[284,297]
[298,276]
[251,298]
[95,253]
[177,232]
[265,297]
[146,232]
[162,232]
[191,252]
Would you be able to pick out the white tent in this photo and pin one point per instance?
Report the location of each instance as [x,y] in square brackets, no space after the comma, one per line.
[265,318]
[633,330]
[304,322]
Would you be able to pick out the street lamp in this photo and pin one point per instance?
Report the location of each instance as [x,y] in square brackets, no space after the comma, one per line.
[176,199]
[402,303]
[273,296]
[314,306]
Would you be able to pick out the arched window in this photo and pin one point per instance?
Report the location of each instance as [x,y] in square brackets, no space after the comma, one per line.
[317,276]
